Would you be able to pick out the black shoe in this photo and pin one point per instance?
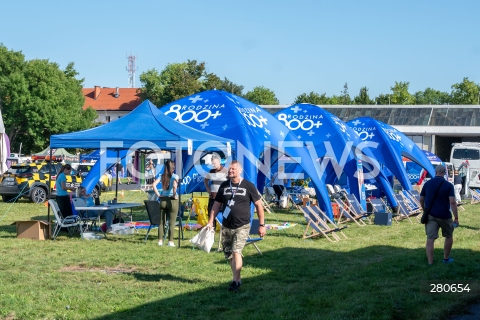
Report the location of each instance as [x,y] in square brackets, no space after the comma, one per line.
[233,287]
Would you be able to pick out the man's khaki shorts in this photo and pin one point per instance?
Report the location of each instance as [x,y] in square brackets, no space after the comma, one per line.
[233,240]
[433,224]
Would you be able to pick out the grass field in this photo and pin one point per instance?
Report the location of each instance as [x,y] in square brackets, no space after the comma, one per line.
[379,272]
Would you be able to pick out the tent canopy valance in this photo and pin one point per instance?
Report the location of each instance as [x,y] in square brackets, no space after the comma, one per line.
[144,127]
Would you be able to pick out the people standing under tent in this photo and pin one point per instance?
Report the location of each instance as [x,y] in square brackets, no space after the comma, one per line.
[149,172]
[233,198]
[63,197]
[457,184]
[213,180]
[279,181]
[168,200]
[89,202]
[439,215]
[129,172]
[119,171]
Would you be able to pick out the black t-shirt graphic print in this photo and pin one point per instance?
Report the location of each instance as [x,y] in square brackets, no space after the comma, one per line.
[245,193]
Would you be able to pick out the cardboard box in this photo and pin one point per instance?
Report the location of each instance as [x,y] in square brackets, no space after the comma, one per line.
[33,229]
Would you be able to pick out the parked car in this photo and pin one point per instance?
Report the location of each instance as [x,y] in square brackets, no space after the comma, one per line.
[105,180]
[31,181]
[16,158]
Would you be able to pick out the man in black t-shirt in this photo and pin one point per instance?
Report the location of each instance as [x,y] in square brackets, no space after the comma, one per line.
[233,199]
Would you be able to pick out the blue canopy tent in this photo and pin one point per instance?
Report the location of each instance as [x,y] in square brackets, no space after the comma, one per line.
[415,171]
[193,180]
[158,132]
[335,144]
[392,145]
[254,129]
[143,128]
[432,157]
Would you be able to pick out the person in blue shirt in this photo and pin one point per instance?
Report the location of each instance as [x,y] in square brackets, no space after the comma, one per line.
[95,213]
[439,215]
[63,197]
[167,195]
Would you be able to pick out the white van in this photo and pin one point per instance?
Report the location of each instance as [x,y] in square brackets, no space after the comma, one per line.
[465,157]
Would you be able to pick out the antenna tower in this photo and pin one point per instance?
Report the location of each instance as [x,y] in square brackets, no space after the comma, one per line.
[131,68]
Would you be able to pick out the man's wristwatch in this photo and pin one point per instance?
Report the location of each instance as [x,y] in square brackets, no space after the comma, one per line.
[262,225]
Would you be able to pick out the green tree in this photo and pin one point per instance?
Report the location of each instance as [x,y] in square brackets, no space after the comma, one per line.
[363,97]
[262,95]
[176,81]
[465,92]
[312,98]
[431,96]
[231,87]
[212,81]
[345,97]
[152,87]
[39,99]
[383,99]
[336,100]
[400,94]
[179,80]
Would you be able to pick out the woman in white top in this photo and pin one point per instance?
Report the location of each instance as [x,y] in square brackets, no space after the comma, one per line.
[168,201]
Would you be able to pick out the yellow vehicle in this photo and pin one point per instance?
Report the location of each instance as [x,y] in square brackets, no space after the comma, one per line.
[31,181]
[105,180]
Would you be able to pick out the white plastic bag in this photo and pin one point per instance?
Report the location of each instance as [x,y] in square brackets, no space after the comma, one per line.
[283,202]
[204,239]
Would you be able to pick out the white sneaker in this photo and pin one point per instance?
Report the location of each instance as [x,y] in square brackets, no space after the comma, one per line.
[160,242]
[171,244]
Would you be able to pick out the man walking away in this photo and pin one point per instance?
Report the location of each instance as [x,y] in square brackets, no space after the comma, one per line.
[439,215]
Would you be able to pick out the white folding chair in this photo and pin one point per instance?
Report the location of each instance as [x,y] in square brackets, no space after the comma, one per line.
[67,222]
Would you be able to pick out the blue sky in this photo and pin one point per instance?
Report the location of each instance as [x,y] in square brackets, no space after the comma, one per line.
[290,47]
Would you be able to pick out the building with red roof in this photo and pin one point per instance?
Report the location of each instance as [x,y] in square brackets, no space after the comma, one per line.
[111,103]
